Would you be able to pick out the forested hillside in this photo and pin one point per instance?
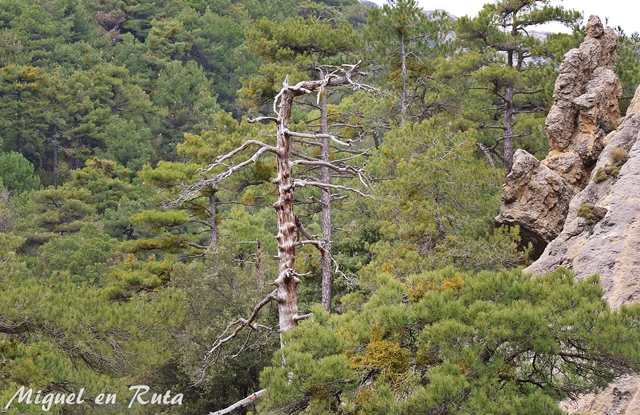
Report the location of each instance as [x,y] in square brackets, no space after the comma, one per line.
[295,198]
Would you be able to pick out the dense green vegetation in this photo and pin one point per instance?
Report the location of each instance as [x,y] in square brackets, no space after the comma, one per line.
[109,108]
[455,343]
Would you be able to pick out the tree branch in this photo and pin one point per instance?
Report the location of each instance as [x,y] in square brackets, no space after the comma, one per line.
[303,183]
[487,154]
[300,317]
[194,190]
[316,242]
[314,135]
[237,150]
[241,403]
[339,76]
[235,327]
[262,119]
[335,167]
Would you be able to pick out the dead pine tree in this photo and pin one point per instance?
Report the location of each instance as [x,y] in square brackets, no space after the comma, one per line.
[289,229]
[325,203]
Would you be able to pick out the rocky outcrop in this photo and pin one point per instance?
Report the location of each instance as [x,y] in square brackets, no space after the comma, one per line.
[536,198]
[585,109]
[620,398]
[586,95]
[601,235]
[583,200]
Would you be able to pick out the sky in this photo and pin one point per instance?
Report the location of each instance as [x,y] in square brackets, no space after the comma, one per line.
[625,13]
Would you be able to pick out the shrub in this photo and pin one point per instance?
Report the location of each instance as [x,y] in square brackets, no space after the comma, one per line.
[618,155]
[591,213]
[17,173]
[600,175]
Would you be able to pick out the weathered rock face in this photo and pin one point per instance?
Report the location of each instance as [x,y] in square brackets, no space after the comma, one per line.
[634,106]
[602,231]
[601,235]
[583,200]
[586,94]
[536,198]
[620,398]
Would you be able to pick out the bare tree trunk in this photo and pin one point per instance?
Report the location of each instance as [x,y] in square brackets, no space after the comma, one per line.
[508,128]
[286,292]
[404,74]
[287,281]
[260,276]
[508,120]
[325,201]
[213,216]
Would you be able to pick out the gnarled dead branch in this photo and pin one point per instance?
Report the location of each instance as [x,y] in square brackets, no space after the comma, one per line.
[241,403]
[232,329]
[303,183]
[193,191]
[313,135]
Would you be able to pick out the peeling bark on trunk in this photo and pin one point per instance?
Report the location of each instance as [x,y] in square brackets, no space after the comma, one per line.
[325,201]
[287,281]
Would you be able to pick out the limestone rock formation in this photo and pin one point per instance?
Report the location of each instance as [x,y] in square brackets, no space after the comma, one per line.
[601,235]
[585,109]
[536,198]
[620,398]
[583,201]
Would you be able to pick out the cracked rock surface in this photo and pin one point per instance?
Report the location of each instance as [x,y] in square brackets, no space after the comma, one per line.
[580,206]
[585,109]
[601,235]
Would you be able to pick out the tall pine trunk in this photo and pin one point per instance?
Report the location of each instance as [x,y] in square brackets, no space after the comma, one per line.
[508,119]
[404,74]
[325,201]
[508,128]
[213,216]
[287,281]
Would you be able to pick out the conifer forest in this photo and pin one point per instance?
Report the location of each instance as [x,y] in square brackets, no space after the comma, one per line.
[317,207]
